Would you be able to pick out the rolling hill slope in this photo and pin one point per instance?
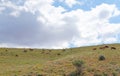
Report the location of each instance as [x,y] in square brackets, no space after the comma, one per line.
[51,62]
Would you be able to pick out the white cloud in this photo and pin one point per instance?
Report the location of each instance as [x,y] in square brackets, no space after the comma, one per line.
[15,13]
[35,5]
[94,27]
[37,23]
[2,9]
[70,3]
[12,8]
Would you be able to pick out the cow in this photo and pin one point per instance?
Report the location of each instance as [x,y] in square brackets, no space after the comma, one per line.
[31,49]
[113,48]
[102,48]
[94,48]
[106,46]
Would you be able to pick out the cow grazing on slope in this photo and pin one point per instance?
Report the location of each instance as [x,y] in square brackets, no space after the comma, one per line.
[94,48]
[113,48]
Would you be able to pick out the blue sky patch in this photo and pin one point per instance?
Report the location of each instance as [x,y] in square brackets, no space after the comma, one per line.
[87,4]
[115,19]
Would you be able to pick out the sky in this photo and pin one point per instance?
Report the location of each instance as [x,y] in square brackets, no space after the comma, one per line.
[59,23]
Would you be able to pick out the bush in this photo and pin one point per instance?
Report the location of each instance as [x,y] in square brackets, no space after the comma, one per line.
[114,74]
[73,74]
[79,66]
[104,74]
[78,63]
[101,58]
[63,50]
[58,54]
[97,74]
[39,75]
[16,55]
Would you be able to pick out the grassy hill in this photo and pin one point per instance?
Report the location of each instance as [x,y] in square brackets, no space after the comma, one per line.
[51,62]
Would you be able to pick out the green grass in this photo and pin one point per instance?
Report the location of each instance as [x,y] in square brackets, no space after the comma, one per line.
[59,62]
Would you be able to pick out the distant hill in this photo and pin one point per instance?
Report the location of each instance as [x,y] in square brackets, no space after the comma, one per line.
[59,62]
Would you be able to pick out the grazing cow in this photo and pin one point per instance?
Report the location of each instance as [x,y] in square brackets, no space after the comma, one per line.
[106,46]
[113,48]
[31,49]
[25,51]
[102,48]
[94,48]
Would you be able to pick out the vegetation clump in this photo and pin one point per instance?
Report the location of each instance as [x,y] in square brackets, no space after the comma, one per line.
[58,54]
[101,58]
[114,74]
[97,74]
[105,74]
[79,66]
[39,75]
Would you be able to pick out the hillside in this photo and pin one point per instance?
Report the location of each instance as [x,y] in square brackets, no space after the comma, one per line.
[51,62]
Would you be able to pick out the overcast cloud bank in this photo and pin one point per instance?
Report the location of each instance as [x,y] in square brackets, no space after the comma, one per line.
[40,24]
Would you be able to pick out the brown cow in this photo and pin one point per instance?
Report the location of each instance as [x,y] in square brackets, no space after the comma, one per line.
[25,51]
[102,48]
[31,49]
[106,46]
[94,48]
[113,48]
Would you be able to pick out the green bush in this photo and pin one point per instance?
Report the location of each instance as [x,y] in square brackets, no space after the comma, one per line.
[97,74]
[73,74]
[79,66]
[105,74]
[78,63]
[114,74]
[101,57]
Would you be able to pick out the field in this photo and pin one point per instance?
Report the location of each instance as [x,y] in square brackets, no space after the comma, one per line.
[58,62]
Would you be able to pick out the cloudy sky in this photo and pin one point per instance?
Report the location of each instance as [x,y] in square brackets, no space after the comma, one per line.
[59,23]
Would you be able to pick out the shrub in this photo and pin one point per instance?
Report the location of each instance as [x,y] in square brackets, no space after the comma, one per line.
[49,50]
[79,66]
[39,75]
[78,63]
[73,74]
[97,74]
[114,74]
[63,50]
[104,74]
[90,69]
[6,50]
[117,70]
[58,54]
[101,58]
[16,55]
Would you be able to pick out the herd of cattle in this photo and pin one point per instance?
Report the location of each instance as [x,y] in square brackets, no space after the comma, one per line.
[104,47]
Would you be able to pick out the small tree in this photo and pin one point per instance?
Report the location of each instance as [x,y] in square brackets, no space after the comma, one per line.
[79,66]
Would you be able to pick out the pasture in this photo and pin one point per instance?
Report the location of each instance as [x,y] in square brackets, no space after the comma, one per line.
[58,62]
